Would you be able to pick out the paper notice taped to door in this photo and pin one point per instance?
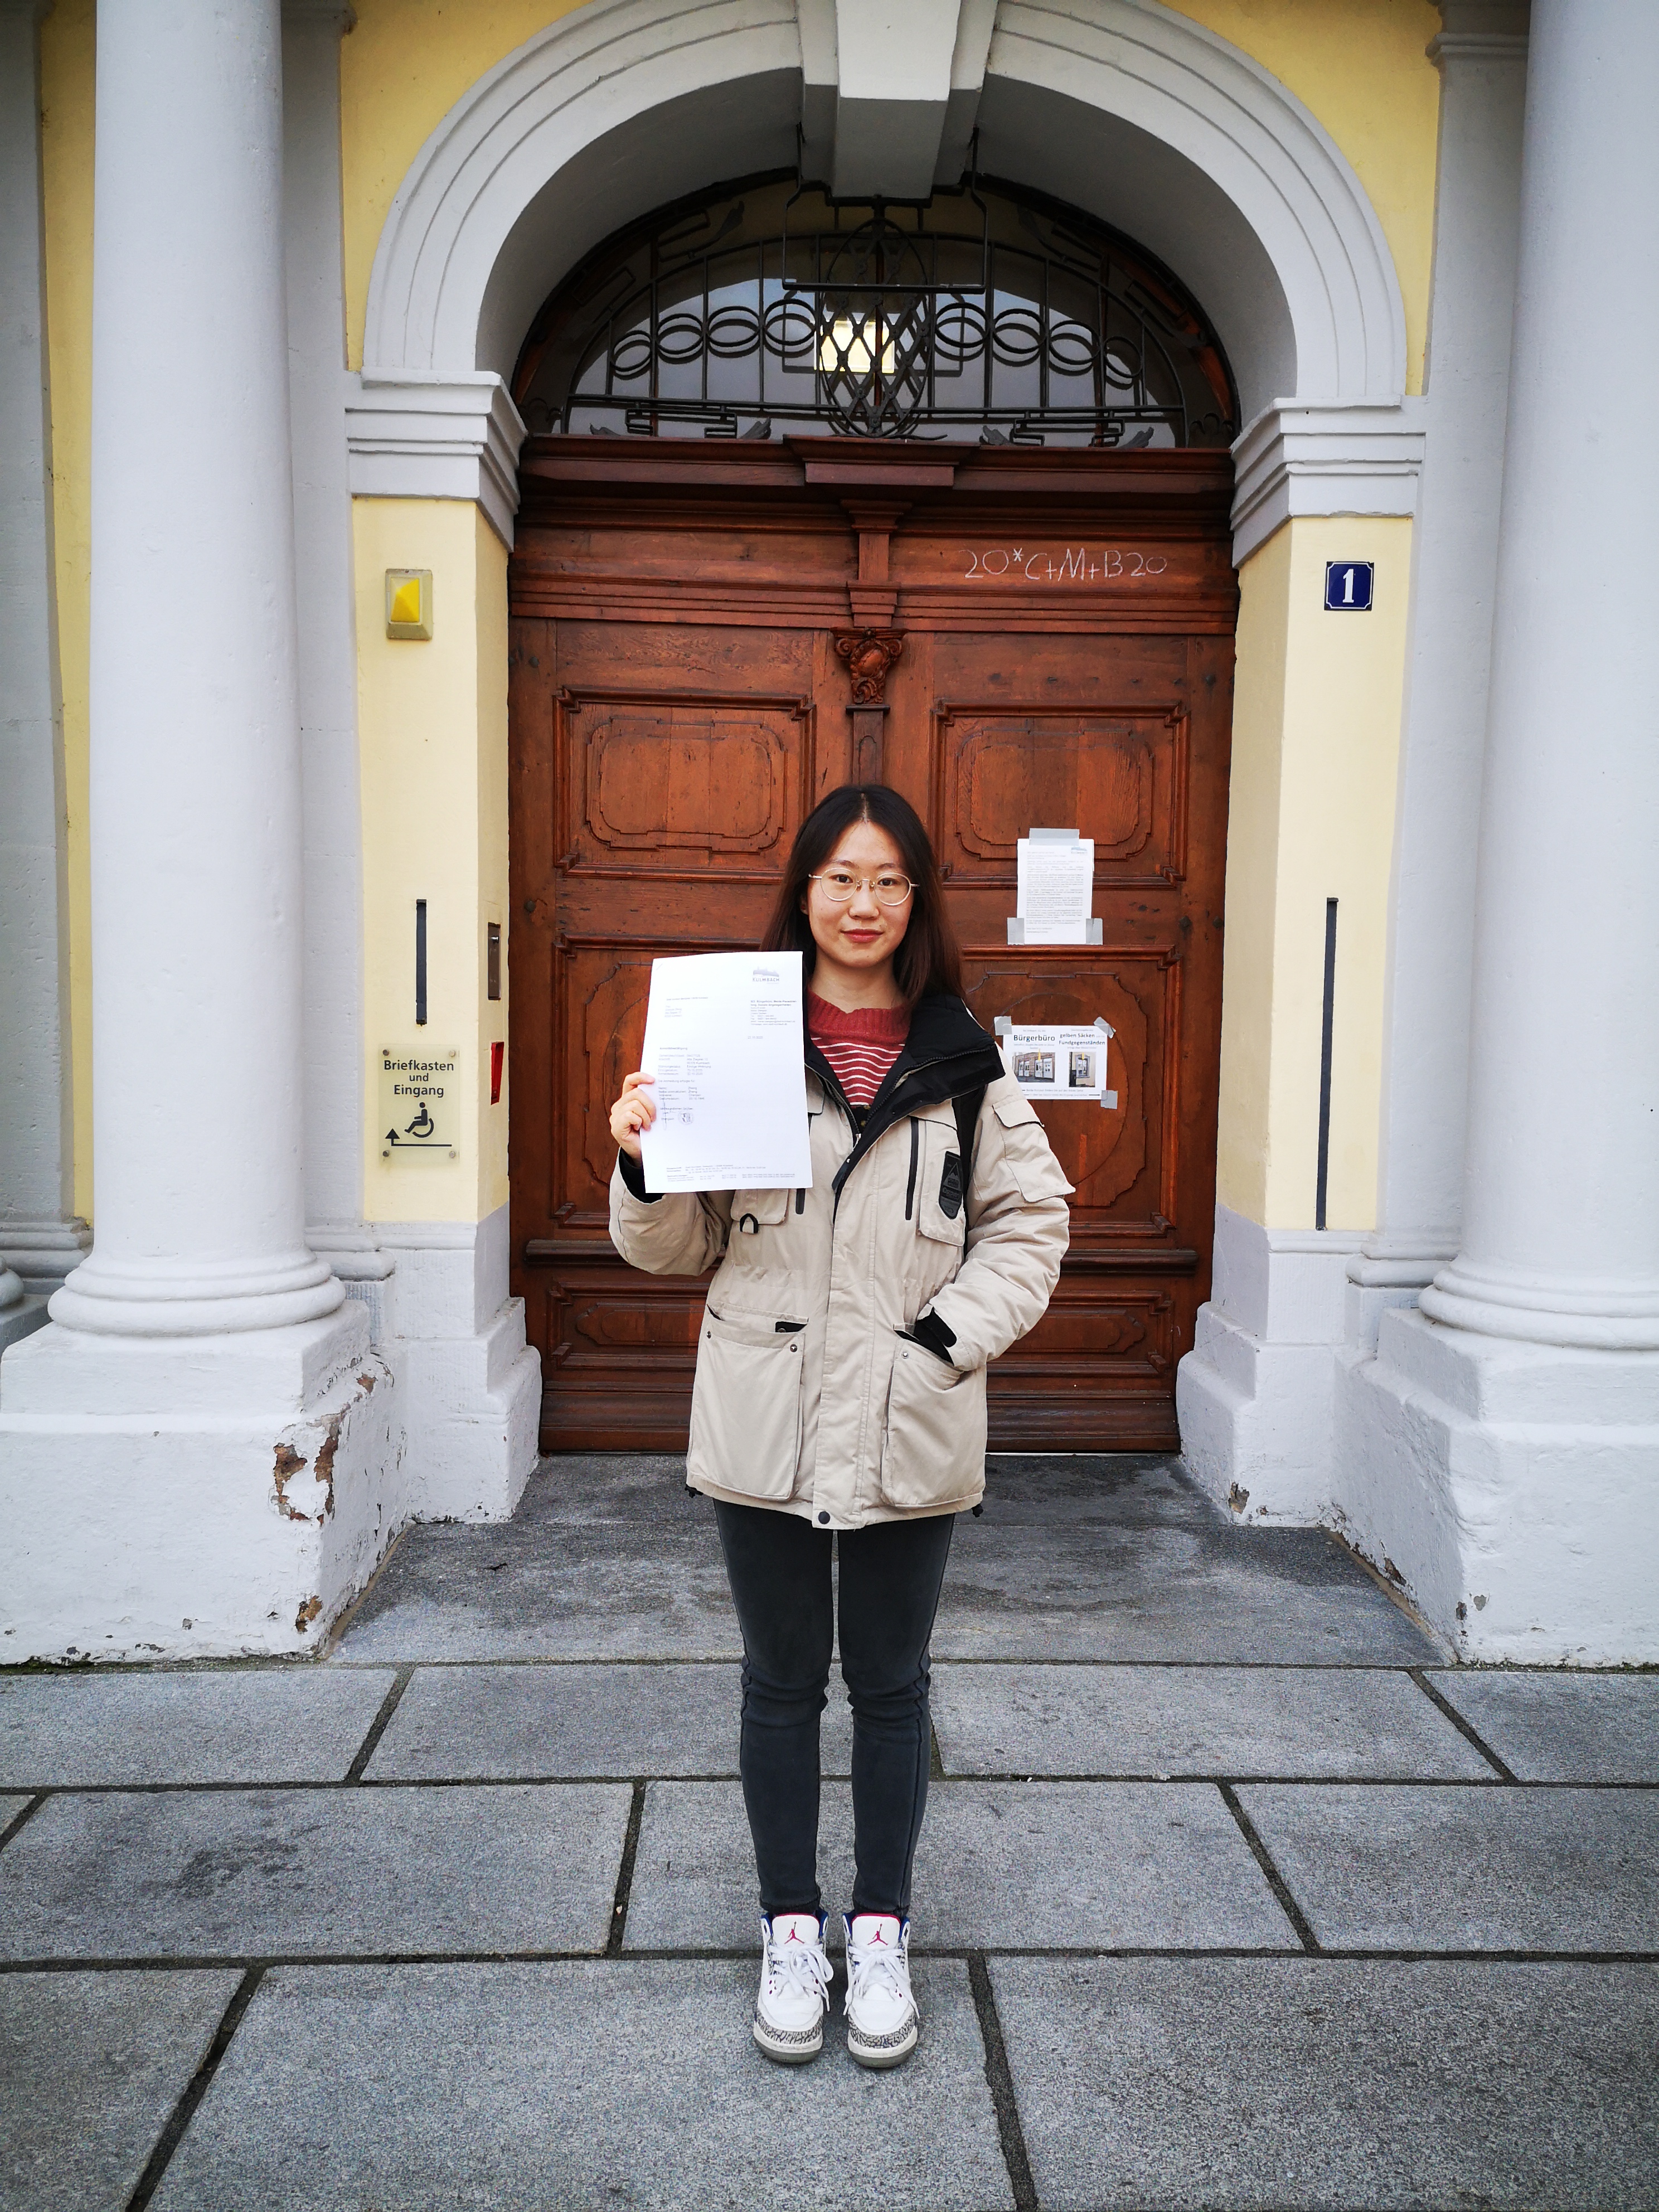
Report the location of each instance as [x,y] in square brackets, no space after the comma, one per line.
[1055,872]
[1059,1063]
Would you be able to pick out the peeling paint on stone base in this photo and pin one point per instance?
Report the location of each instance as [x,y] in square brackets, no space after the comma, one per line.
[221,1537]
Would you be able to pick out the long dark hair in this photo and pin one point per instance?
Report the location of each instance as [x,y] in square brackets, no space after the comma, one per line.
[929,959]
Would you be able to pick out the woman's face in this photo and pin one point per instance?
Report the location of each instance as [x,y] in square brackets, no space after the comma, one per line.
[862,934]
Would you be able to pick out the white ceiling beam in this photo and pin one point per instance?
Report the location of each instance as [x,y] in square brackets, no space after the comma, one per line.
[890,89]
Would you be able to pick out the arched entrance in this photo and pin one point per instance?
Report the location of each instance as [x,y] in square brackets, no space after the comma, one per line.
[938,494]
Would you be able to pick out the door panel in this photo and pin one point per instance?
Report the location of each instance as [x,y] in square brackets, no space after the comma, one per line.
[679,704]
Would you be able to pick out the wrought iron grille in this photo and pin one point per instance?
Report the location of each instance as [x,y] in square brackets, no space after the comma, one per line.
[984,314]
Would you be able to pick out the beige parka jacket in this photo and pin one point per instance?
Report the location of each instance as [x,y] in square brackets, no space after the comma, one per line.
[815,1393]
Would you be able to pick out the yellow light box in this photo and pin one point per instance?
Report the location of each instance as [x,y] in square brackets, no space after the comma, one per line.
[409,603]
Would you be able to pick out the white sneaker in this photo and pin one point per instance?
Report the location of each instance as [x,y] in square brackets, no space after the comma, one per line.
[882,2019]
[794,1987]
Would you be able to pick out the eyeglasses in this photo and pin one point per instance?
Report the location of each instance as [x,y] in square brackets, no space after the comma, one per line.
[839,887]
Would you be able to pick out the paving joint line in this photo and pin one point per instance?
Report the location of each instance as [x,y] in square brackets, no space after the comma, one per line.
[1000,2079]
[19,1820]
[625,1873]
[196,2087]
[659,1954]
[1276,1882]
[378,1726]
[325,1785]
[735,1659]
[118,1669]
[1464,1728]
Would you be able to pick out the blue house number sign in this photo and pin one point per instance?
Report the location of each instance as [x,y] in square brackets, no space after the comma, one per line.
[1348,587]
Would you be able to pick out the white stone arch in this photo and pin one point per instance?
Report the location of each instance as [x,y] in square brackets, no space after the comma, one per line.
[1120,106]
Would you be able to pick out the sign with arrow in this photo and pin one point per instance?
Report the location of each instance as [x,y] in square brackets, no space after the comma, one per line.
[420,1103]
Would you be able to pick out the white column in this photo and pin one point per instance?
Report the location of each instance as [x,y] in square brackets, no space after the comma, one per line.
[201,1455]
[39,1235]
[1481,55]
[319,386]
[1514,1417]
[197,886]
[1561,1229]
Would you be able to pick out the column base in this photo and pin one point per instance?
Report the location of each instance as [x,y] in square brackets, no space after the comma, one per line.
[1511,1489]
[219,1496]
[1254,1394]
[470,1386]
[20,1318]
[41,1253]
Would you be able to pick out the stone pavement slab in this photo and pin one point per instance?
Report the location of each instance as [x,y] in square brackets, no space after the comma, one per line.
[1067,1865]
[252,1873]
[1301,2082]
[9,1808]
[465,1723]
[457,1724]
[606,1558]
[1073,1591]
[1162,1721]
[1461,1867]
[694,1885]
[245,1724]
[91,2066]
[521,2088]
[1083,1557]
[1557,1727]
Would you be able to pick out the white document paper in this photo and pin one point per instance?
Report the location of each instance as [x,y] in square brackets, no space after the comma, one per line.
[1056,888]
[1059,1063]
[724,1047]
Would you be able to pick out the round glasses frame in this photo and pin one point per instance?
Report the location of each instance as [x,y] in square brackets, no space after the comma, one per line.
[855,883]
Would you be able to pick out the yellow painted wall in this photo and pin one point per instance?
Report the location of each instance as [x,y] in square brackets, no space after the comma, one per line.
[1316,758]
[402,69]
[67,60]
[432,727]
[1360,67]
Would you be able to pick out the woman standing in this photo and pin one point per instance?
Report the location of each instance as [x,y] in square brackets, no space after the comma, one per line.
[840,1396]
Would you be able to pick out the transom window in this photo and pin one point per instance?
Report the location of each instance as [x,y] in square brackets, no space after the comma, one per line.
[986,314]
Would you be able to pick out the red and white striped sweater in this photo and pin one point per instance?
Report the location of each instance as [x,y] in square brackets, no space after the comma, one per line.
[861,1047]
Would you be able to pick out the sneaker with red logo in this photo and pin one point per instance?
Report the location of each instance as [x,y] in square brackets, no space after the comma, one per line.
[882,2019]
[795,1987]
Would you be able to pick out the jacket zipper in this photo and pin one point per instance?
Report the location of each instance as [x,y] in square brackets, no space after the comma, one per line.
[910,1187]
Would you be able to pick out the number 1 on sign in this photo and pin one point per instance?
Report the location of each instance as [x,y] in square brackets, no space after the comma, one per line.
[1348,587]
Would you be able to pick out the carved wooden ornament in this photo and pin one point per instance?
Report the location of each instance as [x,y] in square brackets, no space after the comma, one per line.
[869,654]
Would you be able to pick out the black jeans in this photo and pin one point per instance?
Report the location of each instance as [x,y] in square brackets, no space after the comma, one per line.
[778,1569]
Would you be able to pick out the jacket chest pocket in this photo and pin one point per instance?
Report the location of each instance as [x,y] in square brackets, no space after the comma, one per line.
[936,1190]
[746,1405]
[755,1210]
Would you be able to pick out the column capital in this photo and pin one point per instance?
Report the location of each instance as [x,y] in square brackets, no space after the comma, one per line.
[1480,31]
[436,437]
[1348,458]
[343,17]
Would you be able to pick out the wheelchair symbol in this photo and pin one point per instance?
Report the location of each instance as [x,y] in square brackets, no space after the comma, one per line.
[423,1125]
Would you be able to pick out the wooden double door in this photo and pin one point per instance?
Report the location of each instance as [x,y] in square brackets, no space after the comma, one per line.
[1050,634]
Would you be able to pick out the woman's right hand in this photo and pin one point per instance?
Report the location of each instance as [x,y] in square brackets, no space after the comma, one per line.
[634,1111]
